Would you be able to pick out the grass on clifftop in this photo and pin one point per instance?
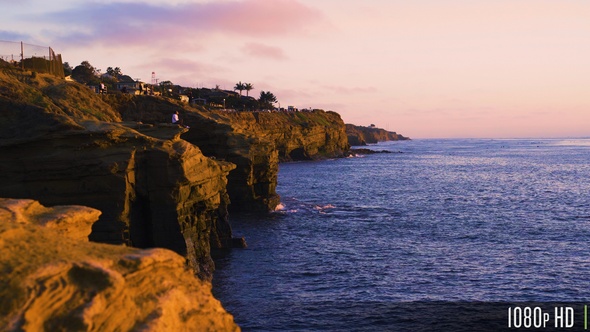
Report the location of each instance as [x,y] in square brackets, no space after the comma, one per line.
[20,90]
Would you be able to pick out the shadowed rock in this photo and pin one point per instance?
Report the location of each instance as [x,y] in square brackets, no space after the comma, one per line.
[153,191]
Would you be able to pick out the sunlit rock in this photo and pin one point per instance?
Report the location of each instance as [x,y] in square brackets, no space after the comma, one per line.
[53,282]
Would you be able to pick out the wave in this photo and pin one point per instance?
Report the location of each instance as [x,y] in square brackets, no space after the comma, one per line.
[292,205]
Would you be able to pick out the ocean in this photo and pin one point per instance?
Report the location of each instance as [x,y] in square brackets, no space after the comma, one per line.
[367,242]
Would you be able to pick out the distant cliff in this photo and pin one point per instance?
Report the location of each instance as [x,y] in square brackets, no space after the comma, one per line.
[359,135]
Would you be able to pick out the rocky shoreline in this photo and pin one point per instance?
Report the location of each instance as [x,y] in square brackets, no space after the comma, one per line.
[157,185]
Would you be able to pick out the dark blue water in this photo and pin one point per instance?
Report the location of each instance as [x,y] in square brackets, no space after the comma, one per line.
[444,220]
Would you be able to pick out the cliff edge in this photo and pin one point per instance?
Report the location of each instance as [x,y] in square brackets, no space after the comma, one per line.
[55,280]
[153,188]
[157,184]
[253,141]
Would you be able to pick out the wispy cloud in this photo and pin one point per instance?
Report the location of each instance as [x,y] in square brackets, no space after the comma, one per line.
[138,23]
[264,51]
[13,36]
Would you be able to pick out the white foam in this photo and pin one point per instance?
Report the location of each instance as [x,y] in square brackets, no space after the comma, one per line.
[320,208]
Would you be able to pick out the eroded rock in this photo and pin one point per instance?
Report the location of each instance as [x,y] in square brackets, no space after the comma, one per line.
[54,283]
[153,191]
[257,141]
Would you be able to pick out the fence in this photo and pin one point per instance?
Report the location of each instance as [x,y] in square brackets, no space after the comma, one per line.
[32,57]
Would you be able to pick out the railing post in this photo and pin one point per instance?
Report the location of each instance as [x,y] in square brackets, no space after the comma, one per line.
[22,56]
[49,63]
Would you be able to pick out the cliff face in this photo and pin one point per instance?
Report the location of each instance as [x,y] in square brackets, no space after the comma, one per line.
[156,184]
[359,135]
[254,141]
[62,144]
[53,279]
[154,191]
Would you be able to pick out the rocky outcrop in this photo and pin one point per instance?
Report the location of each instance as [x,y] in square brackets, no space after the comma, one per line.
[257,141]
[254,141]
[154,182]
[54,281]
[154,189]
[359,135]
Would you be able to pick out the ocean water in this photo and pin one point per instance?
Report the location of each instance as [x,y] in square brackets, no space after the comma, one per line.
[360,242]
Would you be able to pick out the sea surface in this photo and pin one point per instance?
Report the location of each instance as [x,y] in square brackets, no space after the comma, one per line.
[359,242]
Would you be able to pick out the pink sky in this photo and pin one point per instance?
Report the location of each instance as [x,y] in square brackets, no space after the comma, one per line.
[425,68]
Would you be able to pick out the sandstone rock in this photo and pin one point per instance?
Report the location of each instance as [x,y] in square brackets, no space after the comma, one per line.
[74,222]
[153,192]
[257,142]
[54,283]
[254,141]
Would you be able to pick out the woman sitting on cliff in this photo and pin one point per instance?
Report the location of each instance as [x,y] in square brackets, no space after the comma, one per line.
[176,120]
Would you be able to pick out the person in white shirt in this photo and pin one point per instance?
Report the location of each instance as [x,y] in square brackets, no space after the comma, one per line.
[176,120]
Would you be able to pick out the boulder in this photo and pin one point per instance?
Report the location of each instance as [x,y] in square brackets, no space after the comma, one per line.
[73,222]
[54,282]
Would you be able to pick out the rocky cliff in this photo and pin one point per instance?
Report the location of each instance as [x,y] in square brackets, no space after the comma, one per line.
[257,142]
[254,141]
[359,135]
[158,185]
[154,188]
[53,279]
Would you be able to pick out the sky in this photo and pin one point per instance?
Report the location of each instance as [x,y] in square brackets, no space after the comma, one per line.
[422,68]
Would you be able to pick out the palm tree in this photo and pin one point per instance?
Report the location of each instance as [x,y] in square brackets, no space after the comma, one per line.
[114,72]
[240,87]
[248,87]
[267,99]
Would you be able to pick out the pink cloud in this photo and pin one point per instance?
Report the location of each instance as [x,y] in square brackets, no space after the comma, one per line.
[263,17]
[137,23]
[264,51]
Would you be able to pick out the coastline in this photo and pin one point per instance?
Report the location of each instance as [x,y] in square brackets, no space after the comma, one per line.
[156,184]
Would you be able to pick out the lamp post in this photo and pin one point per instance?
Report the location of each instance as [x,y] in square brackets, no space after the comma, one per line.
[224,104]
